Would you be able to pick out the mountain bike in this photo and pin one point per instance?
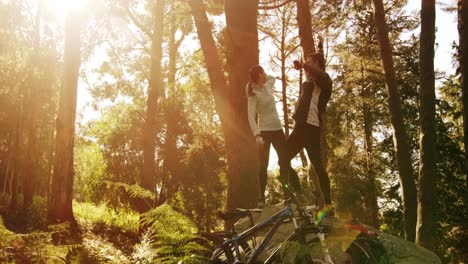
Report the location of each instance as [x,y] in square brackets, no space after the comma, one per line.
[246,247]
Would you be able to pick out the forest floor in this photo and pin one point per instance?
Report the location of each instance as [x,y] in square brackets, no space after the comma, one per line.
[105,237]
[111,236]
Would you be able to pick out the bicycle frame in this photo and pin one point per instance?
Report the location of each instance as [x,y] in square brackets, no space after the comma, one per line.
[277,219]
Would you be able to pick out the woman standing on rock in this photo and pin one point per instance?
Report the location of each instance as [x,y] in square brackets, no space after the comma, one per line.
[268,130]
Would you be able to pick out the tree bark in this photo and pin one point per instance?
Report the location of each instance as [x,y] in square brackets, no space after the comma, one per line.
[31,152]
[154,92]
[400,137]
[371,195]
[242,53]
[463,55]
[284,84]
[427,195]
[304,23]
[15,154]
[172,157]
[60,197]
[231,104]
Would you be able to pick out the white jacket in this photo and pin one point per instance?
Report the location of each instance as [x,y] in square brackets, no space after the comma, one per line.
[263,103]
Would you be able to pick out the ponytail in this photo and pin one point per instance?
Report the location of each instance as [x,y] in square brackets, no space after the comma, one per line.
[254,73]
[249,89]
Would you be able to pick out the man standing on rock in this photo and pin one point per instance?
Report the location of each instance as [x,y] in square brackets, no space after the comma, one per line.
[315,94]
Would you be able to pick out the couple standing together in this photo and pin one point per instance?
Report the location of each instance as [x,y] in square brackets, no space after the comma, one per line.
[315,93]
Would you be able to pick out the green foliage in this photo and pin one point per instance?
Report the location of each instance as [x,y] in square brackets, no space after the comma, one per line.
[132,196]
[6,239]
[39,246]
[27,220]
[172,236]
[361,146]
[90,170]
[451,185]
[101,214]
[144,252]
[201,193]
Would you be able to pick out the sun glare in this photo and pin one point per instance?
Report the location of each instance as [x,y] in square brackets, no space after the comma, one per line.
[59,8]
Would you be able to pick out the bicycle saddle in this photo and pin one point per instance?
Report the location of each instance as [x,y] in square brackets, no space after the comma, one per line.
[256,210]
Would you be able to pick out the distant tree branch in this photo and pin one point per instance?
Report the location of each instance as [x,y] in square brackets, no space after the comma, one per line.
[139,24]
[185,32]
[266,6]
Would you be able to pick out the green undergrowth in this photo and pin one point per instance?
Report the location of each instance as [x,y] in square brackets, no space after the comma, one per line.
[103,227]
[101,215]
[56,245]
[105,235]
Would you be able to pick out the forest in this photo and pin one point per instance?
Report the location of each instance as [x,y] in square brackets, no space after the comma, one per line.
[126,131]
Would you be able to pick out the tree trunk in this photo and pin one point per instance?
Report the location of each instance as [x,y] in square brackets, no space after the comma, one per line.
[51,147]
[242,53]
[31,152]
[154,92]
[284,84]
[7,173]
[231,103]
[60,198]
[15,154]
[427,197]
[463,53]
[400,137]
[172,158]
[371,195]
[304,22]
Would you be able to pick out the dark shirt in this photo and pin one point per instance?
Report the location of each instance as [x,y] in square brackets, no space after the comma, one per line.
[322,80]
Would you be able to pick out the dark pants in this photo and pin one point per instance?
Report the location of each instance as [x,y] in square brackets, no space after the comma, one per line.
[308,136]
[278,140]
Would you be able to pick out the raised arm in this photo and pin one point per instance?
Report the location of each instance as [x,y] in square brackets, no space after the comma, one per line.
[270,82]
[252,112]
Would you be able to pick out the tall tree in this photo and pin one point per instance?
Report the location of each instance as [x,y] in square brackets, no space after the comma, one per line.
[31,152]
[61,189]
[371,197]
[242,53]
[154,92]
[173,104]
[400,137]
[230,100]
[463,55]
[427,197]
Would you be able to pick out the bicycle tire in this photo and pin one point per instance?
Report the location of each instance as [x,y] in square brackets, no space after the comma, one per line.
[366,251]
[220,255]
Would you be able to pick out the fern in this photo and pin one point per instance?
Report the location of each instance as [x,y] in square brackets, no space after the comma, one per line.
[135,191]
[172,236]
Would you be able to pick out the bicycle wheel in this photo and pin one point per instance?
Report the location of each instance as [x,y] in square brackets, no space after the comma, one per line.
[221,253]
[366,250]
[300,248]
